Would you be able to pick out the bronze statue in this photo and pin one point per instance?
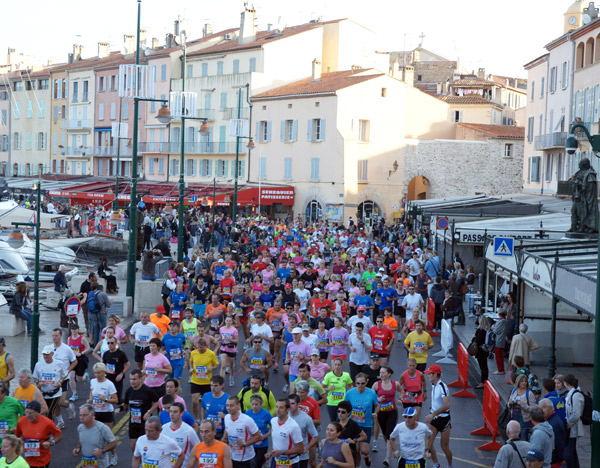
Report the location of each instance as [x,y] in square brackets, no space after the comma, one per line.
[584,212]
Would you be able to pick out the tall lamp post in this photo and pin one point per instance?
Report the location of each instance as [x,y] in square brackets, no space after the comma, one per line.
[240,128]
[571,146]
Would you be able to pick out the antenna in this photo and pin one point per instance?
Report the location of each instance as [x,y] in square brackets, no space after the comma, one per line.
[422,36]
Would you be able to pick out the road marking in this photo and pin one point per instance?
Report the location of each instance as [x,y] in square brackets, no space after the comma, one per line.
[472,462]
[115,430]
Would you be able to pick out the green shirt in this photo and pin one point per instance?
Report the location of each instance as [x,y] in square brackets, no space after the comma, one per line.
[18,463]
[10,411]
[339,392]
[368,278]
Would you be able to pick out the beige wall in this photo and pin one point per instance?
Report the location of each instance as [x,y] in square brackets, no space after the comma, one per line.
[431,121]
[477,113]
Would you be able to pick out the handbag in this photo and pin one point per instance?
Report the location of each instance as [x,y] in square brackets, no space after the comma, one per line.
[464,289]
[165,291]
[504,418]
[473,348]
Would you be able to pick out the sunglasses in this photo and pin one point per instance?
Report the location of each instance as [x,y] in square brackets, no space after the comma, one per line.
[361,383]
[408,417]
[259,342]
[342,411]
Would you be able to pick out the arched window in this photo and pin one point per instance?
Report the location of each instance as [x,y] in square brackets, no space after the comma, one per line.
[579,56]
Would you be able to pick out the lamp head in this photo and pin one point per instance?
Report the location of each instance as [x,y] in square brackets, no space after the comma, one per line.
[205,128]
[164,114]
[571,144]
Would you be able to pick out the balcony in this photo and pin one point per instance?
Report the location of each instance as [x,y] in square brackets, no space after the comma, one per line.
[70,151]
[208,114]
[126,151]
[550,140]
[232,113]
[205,147]
[76,124]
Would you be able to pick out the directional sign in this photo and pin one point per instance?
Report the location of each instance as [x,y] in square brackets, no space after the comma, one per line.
[194,198]
[442,223]
[504,246]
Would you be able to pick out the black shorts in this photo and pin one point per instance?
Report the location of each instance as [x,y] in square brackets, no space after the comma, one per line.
[323,355]
[65,386]
[276,335]
[201,389]
[412,405]
[140,353]
[400,311]
[136,431]
[80,368]
[231,354]
[104,416]
[160,390]
[441,423]
[381,355]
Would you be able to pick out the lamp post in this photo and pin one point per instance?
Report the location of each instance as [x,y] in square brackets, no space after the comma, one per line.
[238,137]
[571,146]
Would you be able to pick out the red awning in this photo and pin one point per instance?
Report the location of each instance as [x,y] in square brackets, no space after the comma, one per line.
[253,196]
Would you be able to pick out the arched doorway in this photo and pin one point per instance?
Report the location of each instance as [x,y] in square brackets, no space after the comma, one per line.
[368,211]
[313,211]
[417,188]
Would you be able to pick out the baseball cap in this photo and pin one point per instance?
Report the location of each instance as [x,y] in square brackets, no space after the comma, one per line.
[296,330]
[435,369]
[361,308]
[410,412]
[221,260]
[315,352]
[317,290]
[305,326]
[48,349]
[374,355]
[382,270]
[74,326]
[378,274]
[35,406]
[534,455]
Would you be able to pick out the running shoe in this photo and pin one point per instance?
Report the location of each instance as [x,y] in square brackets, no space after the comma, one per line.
[74,397]
[375,446]
[71,410]
[386,462]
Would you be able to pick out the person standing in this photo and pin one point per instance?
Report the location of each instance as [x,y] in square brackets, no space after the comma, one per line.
[522,345]
[155,449]
[210,453]
[37,429]
[98,305]
[559,429]
[182,433]
[287,439]
[499,328]
[439,418]
[365,406]
[482,351]
[241,432]
[413,439]
[511,454]
[542,435]
[84,291]
[95,439]
[574,401]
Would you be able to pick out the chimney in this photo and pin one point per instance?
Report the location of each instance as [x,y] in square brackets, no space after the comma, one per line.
[169,41]
[316,71]
[269,26]
[77,49]
[207,30]
[481,73]
[103,49]
[408,75]
[155,44]
[247,26]
[143,35]
[129,43]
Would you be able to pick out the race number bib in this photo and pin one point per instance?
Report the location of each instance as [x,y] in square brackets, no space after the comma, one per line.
[175,354]
[239,312]
[255,363]
[389,406]
[98,404]
[75,349]
[337,395]
[48,379]
[3,428]
[143,341]
[217,421]
[151,373]
[208,460]
[201,372]
[32,448]
[136,415]
[412,464]
[89,461]
[189,335]
[419,347]
[358,414]
[377,343]
[227,291]
[110,368]
[283,462]
[175,314]
[149,463]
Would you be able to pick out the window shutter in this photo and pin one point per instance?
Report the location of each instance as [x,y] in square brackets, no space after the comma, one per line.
[322,130]
[257,131]
[242,169]
[268,123]
[309,130]
[283,130]
[225,168]
[233,169]
[36,141]
[151,166]
[294,130]
[210,164]
[161,166]
[222,138]
[223,100]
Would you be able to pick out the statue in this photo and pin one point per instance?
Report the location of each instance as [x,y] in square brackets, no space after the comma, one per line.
[584,212]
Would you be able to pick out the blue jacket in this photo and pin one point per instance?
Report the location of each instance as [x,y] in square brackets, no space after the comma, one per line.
[560,437]
[558,403]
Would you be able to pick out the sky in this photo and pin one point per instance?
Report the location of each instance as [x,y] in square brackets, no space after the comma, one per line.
[500,36]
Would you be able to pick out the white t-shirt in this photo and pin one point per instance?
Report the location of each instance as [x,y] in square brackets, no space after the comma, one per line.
[366,321]
[143,333]
[311,340]
[411,301]
[185,436]
[48,376]
[263,329]
[285,436]
[156,453]
[360,356]
[105,390]
[438,393]
[414,267]
[303,296]
[411,442]
[241,429]
[65,355]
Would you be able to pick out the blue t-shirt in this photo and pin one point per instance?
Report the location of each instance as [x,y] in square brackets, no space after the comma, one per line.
[220,273]
[283,273]
[267,300]
[186,418]
[263,421]
[387,296]
[174,346]
[363,405]
[364,301]
[176,298]
[213,407]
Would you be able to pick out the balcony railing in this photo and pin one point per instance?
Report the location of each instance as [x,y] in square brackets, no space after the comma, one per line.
[76,151]
[232,113]
[76,124]
[208,114]
[205,147]
[550,140]
[110,151]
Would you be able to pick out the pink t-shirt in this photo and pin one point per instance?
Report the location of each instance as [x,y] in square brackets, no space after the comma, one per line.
[268,276]
[178,399]
[318,372]
[227,335]
[153,377]
[119,334]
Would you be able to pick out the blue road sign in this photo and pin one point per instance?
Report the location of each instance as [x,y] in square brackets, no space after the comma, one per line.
[504,246]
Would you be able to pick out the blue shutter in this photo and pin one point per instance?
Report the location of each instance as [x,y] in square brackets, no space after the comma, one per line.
[294,130]
[222,138]
[257,131]
[210,164]
[207,101]
[223,100]
[161,166]
[309,130]
[283,130]
[268,123]
[322,130]
[242,172]
[233,169]
[225,167]
[151,166]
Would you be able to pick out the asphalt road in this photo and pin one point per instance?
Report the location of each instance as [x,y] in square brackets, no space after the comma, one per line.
[466,417]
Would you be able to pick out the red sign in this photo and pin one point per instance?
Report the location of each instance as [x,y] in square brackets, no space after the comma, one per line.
[72,307]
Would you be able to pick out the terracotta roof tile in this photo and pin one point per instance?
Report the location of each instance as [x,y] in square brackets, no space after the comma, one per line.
[469,99]
[329,83]
[497,131]
[472,82]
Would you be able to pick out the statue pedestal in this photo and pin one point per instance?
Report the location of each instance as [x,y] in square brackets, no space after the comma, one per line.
[580,236]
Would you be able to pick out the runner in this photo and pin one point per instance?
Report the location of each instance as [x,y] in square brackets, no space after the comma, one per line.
[307,427]
[161,320]
[103,395]
[177,301]
[11,410]
[174,344]
[336,383]
[296,353]
[228,338]
[189,328]
[439,418]
[257,360]
[287,439]
[241,432]
[383,340]
[182,433]
[156,450]
[411,441]
[81,347]
[210,453]
[360,350]
[49,376]
[388,413]
[95,439]
[140,334]
[262,418]
[413,389]
[418,343]
[202,364]
[117,365]
[214,404]
[27,392]
[352,433]
[39,434]
[338,339]
[277,320]
[156,368]
[65,355]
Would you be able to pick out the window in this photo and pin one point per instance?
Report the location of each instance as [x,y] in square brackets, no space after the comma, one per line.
[85,91]
[314,169]
[419,77]
[41,143]
[532,91]
[205,169]
[4,142]
[16,141]
[236,66]
[42,109]
[564,79]
[552,79]
[125,110]
[221,169]
[530,123]
[174,169]
[151,165]
[252,64]
[542,83]
[223,103]
[113,111]
[18,86]
[190,167]
[508,150]
[205,69]
[100,81]
[153,106]
[101,111]
[28,141]
[289,130]
[43,84]
[363,130]
[219,68]
[63,112]
[287,168]
[383,92]
[29,109]
[17,110]
[190,71]
[4,117]
[363,168]
[161,166]
[163,72]
[263,131]
[456,116]
[114,79]
[535,169]
[75,91]
[262,168]
[316,130]
[549,167]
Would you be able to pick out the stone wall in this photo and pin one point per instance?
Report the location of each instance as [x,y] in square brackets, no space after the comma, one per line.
[434,72]
[459,167]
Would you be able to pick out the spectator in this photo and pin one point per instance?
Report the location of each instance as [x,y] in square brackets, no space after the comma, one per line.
[574,401]
[522,345]
[482,351]
[542,435]
[511,455]
[520,402]
[560,432]
[499,329]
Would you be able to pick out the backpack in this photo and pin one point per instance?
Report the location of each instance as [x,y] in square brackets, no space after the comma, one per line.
[165,291]
[92,302]
[586,415]
[490,341]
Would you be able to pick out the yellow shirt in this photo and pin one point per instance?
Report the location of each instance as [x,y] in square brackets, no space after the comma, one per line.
[417,343]
[200,364]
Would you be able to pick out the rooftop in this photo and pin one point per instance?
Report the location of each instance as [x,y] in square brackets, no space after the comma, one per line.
[497,131]
[467,100]
[472,82]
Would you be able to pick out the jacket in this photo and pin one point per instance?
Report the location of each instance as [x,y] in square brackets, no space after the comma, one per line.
[507,456]
[437,293]
[575,402]
[542,438]
[499,328]
[522,344]
[560,437]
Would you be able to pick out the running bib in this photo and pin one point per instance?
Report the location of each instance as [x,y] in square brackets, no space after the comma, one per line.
[3,428]
[338,341]
[227,291]
[201,372]
[214,322]
[389,406]
[235,448]
[377,343]
[75,349]
[419,347]
[149,463]
[282,462]
[136,415]
[98,404]
[276,326]
[189,335]
[32,448]
[255,363]
[175,314]
[358,414]
[208,460]
[217,421]
[337,395]
[151,372]
[412,464]
[110,368]
[143,341]
[89,461]
[175,354]
[239,312]
[48,379]
[411,397]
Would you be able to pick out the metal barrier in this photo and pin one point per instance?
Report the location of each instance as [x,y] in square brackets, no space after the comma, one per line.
[463,374]
[431,317]
[491,411]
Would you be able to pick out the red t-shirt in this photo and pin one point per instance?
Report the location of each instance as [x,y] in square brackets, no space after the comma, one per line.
[316,306]
[34,434]
[311,407]
[381,339]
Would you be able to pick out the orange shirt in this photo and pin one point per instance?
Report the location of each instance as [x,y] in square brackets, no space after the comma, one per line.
[162,323]
[214,311]
[34,434]
[391,324]
[206,455]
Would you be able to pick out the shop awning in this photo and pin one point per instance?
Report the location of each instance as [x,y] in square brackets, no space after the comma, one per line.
[254,196]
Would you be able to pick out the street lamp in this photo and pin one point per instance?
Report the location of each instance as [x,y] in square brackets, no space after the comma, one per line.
[239,129]
[571,146]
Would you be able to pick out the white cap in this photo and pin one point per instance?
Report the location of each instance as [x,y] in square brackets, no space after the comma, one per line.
[48,349]
[296,330]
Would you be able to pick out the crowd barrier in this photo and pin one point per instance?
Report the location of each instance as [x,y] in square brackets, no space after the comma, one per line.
[431,317]
[463,374]
[491,411]
[105,227]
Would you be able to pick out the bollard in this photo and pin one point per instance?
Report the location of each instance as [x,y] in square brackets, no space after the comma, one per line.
[431,317]
[491,411]
[463,374]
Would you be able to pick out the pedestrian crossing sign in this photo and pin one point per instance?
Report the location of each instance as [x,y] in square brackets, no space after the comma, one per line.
[504,246]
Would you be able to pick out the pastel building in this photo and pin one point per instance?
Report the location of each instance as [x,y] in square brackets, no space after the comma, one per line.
[5,124]
[59,112]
